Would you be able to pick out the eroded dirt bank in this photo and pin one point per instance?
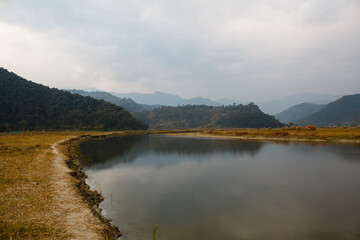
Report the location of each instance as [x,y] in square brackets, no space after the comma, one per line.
[87,222]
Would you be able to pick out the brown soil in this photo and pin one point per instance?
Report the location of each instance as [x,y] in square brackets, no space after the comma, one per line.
[78,218]
[91,198]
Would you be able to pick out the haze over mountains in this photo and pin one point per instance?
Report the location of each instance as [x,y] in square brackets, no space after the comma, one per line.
[298,112]
[269,107]
[293,114]
[342,112]
[127,103]
[160,98]
[278,105]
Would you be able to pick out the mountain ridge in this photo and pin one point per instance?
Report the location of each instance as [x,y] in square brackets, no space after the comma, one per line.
[278,105]
[298,112]
[25,105]
[342,112]
[127,103]
[272,107]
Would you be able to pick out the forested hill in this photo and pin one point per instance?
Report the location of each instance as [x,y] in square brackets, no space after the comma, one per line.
[127,103]
[342,112]
[202,116]
[298,112]
[25,105]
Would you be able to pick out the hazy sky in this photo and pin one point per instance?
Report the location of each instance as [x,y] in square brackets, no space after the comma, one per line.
[242,49]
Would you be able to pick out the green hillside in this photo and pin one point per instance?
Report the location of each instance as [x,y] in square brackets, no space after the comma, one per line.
[342,112]
[25,105]
[127,103]
[298,112]
[202,116]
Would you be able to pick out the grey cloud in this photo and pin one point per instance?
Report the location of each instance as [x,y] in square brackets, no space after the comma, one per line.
[234,48]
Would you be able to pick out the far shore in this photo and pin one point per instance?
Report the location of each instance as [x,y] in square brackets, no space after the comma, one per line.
[323,135]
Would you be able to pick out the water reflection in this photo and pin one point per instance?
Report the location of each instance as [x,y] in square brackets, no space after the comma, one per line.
[100,151]
[108,152]
[347,152]
[222,189]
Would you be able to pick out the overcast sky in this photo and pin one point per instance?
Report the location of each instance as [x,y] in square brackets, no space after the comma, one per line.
[248,50]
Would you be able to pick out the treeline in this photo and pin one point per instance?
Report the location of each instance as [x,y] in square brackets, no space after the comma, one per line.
[202,116]
[25,105]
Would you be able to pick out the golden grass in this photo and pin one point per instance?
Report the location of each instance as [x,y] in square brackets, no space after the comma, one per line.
[340,134]
[26,201]
[28,208]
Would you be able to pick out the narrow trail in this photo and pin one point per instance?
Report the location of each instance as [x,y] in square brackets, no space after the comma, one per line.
[77,217]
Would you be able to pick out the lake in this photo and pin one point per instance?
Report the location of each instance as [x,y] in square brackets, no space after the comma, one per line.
[206,188]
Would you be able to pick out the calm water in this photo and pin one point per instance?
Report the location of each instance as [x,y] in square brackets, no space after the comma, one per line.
[208,189]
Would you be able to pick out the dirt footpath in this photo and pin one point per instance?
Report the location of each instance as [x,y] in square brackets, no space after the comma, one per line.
[39,198]
[77,217]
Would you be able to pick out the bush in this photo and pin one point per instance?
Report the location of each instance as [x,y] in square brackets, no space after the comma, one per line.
[310,128]
[241,133]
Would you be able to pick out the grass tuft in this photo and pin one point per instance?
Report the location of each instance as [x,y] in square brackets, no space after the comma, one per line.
[156,232]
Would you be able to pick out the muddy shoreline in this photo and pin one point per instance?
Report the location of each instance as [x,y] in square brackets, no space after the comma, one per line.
[91,197]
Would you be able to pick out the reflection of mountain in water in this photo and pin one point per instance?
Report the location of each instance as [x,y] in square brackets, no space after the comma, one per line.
[108,152]
[346,151]
[187,145]
[96,151]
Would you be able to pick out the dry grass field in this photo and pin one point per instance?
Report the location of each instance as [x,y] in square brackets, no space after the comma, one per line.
[330,134]
[38,197]
[26,196]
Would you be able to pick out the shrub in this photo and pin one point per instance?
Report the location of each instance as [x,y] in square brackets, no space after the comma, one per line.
[310,128]
[292,128]
[282,134]
[241,133]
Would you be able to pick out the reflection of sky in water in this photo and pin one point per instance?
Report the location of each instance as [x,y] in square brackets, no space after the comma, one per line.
[242,190]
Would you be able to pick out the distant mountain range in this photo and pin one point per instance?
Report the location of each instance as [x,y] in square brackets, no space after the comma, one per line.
[295,113]
[342,112]
[25,105]
[272,107]
[166,99]
[281,104]
[298,112]
[193,113]
[127,103]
